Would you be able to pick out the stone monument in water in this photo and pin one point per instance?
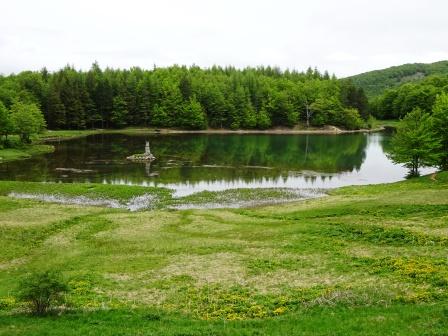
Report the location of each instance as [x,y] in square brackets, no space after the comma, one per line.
[145,157]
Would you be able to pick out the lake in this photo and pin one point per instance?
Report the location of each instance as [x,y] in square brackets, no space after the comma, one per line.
[189,163]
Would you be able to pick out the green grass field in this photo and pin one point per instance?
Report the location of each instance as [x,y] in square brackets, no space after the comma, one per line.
[369,260]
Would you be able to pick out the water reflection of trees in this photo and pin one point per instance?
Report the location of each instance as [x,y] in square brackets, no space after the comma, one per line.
[322,153]
[188,157]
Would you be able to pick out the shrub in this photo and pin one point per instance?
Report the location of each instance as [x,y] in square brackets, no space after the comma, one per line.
[42,291]
[351,119]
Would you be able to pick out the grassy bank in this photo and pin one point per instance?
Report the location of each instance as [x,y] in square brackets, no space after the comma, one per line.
[367,260]
[376,123]
[20,151]
[24,152]
[67,134]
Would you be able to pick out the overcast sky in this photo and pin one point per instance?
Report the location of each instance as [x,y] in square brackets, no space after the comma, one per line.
[344,37]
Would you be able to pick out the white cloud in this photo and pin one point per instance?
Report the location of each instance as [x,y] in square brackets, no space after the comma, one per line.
[344,37]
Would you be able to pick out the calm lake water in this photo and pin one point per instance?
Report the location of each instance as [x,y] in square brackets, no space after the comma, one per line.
[189,163]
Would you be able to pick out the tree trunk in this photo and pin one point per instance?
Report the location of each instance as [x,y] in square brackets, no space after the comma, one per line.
[308,113]
[415,166]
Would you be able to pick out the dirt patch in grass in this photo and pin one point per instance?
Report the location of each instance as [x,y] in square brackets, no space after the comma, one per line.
[142,226]
[222,268]
[142,296]
[35,215]
[13,263]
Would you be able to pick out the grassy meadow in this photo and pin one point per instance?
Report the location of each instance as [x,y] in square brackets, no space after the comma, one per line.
[368,260]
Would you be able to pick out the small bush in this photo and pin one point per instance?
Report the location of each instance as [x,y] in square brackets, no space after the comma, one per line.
[42,291]
[351,119]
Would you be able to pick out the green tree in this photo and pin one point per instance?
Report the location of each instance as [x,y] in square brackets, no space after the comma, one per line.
[354,97]
[27,119]
[185,87]
[119,112]
[193,116]
[307,93]
[351,119]
[440,125]
[159,116]
[214,103]
[6,126]
[263,119]
[70,84]
[143,109]
[55,109]
[415,143]
[91,113]
[282,110]
[320,108]
[249,119]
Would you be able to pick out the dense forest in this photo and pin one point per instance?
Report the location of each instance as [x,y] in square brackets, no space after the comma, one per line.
[376,82]
[187,97]
[397,102]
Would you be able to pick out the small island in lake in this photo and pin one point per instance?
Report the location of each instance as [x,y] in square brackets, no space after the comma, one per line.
[143,157]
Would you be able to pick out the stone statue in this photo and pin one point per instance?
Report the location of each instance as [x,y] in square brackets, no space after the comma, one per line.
[145,157]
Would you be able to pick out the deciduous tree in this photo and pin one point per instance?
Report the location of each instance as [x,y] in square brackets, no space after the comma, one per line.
[415,143]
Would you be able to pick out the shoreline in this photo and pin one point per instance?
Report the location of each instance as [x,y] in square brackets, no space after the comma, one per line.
[326,130]
[57,135]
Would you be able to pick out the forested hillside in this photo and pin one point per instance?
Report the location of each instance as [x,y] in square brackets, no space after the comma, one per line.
[375,82]
[397,102]
[187,97]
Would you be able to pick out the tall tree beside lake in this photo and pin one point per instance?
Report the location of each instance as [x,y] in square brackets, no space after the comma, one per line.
[415,143]
[26,119]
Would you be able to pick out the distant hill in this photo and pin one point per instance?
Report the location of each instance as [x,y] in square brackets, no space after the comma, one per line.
[375,82]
